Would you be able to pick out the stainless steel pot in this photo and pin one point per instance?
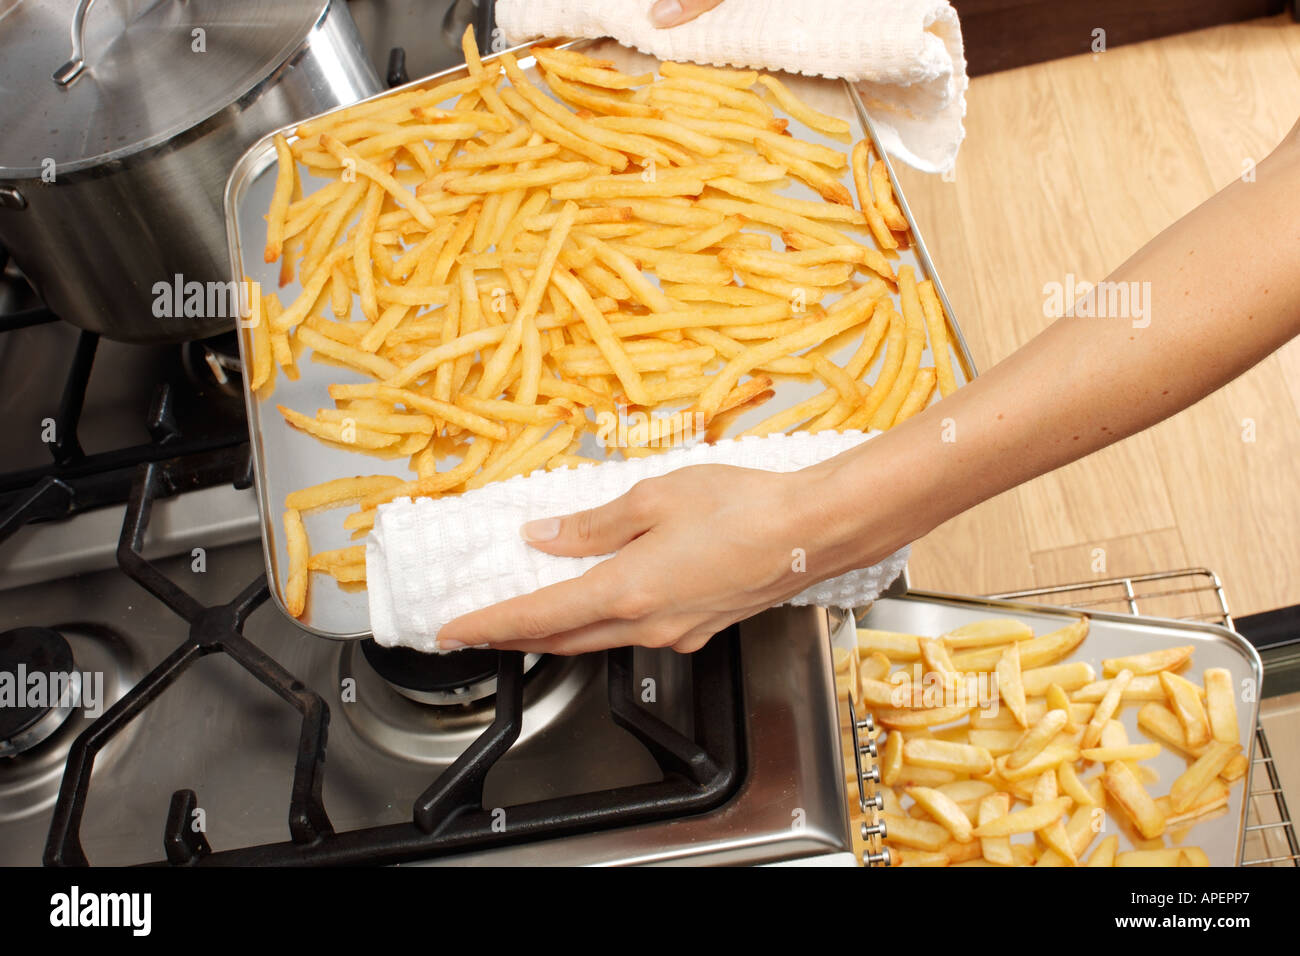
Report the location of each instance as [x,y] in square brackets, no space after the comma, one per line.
[112,170]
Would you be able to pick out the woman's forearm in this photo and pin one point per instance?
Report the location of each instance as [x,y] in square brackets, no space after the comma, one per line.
[1222,291]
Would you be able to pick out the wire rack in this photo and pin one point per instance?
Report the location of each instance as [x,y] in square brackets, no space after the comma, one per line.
[1194,594]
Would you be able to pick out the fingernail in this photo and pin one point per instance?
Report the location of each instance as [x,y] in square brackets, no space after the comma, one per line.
[665,13]
[449,645]
[543,529]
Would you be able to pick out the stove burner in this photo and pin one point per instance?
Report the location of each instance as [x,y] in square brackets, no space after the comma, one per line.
[393,688]
[30,718]
[459,678]
[214,363]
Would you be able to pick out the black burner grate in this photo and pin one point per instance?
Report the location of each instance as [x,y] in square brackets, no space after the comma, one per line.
[182,424]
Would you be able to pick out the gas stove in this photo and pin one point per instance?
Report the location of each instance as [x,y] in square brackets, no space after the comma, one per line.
[139,677]
[146,692]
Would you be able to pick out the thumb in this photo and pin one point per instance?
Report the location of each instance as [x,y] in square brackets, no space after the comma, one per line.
[671,13]
[595,531]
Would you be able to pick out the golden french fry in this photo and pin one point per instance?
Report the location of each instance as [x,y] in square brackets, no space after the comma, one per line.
[1185,701]
[1201,774]
[883,191]
[1036,738]
[1134,800]
[944,810]
[987,632]
[1221,705]
[1029,820]
[339,491]
[1152,662]
[996,849]
[905,718]
[295,588]
[1104,855]
[1106,708]
[897,647]
[943,755]
[919,834]
[1144,688]
[1010,684]
[286,174]
[937,325]
[1038,652]
[1106,754]
[1066,676]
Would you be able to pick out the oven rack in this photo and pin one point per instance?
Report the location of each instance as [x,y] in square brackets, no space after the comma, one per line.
[1192,594]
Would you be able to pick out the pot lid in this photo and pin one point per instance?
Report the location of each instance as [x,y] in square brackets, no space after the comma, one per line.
[151,69]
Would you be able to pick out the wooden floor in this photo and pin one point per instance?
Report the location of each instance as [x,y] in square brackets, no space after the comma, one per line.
[1068,167]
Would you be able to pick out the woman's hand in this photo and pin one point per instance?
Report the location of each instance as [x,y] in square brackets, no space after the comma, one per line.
[671,13]
[696,550]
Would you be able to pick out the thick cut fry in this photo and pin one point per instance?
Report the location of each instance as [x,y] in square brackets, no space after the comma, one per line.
[1038,652]
[1068,677]
[919,834]
[1048,759]
[943,755]
[1221,705]
[995,849]
[945,812]
[1133,798]
[1185,701]
[1201,774]
[1010,683]
[1105,754]
[1106,709]
[1104,855]
[1142,688]
[1036,739]
[1152,662]
[1024,821]
[904,718]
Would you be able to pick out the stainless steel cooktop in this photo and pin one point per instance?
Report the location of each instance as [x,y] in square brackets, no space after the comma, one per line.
[221,733]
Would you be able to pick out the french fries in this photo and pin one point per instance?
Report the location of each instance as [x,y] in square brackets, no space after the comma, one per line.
[528,251]
[988,786]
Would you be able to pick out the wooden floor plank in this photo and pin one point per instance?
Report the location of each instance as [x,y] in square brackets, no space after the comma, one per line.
[1069,167]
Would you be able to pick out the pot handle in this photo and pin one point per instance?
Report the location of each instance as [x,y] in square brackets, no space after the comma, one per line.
[65,74]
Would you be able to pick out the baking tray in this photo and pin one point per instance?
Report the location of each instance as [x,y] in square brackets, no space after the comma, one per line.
[1109,635]
[285,459]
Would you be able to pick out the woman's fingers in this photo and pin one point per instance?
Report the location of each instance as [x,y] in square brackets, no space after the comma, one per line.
[596,531]
[670,13]
[551,610]
[583,640]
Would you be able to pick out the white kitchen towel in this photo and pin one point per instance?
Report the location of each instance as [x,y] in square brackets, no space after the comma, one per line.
[905,56]
[433,559]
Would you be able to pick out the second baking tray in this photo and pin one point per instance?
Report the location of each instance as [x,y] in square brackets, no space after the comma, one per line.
[286,459]
[1110,635]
